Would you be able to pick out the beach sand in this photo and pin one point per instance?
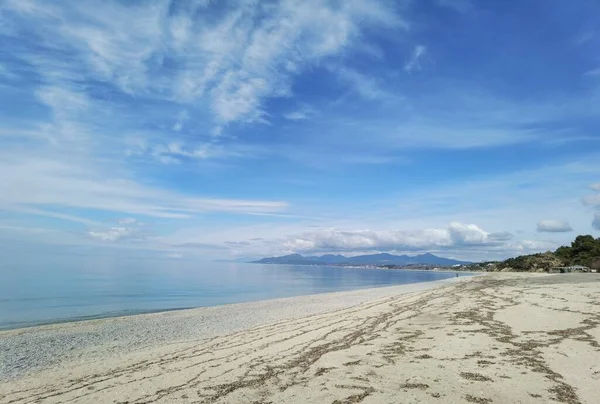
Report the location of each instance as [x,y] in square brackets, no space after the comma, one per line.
[496,338]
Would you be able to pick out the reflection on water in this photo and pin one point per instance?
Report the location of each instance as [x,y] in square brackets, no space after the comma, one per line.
[33,293]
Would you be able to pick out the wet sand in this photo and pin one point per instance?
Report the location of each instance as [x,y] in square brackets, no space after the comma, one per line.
[498,338]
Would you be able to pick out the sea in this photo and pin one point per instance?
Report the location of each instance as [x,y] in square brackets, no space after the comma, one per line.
[34,293]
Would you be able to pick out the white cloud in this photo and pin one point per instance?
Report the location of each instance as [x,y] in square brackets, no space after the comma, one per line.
[232,59]
[304,112]
[596,186]
[182,118]
[67,107]
[414,63]
[495,204]
[112,234]
[467,241]
[367,87]
[126,229]
[467,234]
[455,235]
[224,66]
[533,246]
[596,221]
[39,182]
[49,213]
[591,200]
[173,152]
[553,226]
[62,100]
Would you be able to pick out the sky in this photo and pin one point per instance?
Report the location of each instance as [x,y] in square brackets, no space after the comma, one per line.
[243,128]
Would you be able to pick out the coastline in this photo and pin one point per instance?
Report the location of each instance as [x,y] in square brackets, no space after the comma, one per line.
[384,268]
[52,343]
[498,338]
[14,322]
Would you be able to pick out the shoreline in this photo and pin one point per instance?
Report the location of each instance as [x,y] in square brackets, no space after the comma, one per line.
[102,316]
[499,338]
[22,326]
[61,341]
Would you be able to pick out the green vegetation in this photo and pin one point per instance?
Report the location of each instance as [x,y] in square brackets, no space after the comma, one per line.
[585,251]
[532,263]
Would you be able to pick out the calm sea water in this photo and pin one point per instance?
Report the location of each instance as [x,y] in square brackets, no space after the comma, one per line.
[72,289]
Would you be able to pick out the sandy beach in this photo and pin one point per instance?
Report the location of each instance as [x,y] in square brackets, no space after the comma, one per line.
[497,338]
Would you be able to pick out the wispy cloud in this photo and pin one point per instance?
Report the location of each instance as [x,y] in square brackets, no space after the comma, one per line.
[414,63]
[176,151]
[304,112]
[40,183]
[21,209]
[112,234]
[235,61]
[367,87]
[585,37]
[127,229]
[592,73]
[182,117]
[458,116]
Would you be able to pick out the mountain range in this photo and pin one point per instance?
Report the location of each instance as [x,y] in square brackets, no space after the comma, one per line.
[373,259]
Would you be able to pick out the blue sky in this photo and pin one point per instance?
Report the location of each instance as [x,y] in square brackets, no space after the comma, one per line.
[224,129]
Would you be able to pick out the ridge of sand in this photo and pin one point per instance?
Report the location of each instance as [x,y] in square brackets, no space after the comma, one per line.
[499,338]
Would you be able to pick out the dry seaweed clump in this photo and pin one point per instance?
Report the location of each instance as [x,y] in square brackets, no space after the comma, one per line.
[419,386]
[477,400]
[475,377]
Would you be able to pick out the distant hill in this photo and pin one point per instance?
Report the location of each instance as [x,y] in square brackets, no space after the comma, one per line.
[292,259]
[233,260]
[332,259]
[373,259]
